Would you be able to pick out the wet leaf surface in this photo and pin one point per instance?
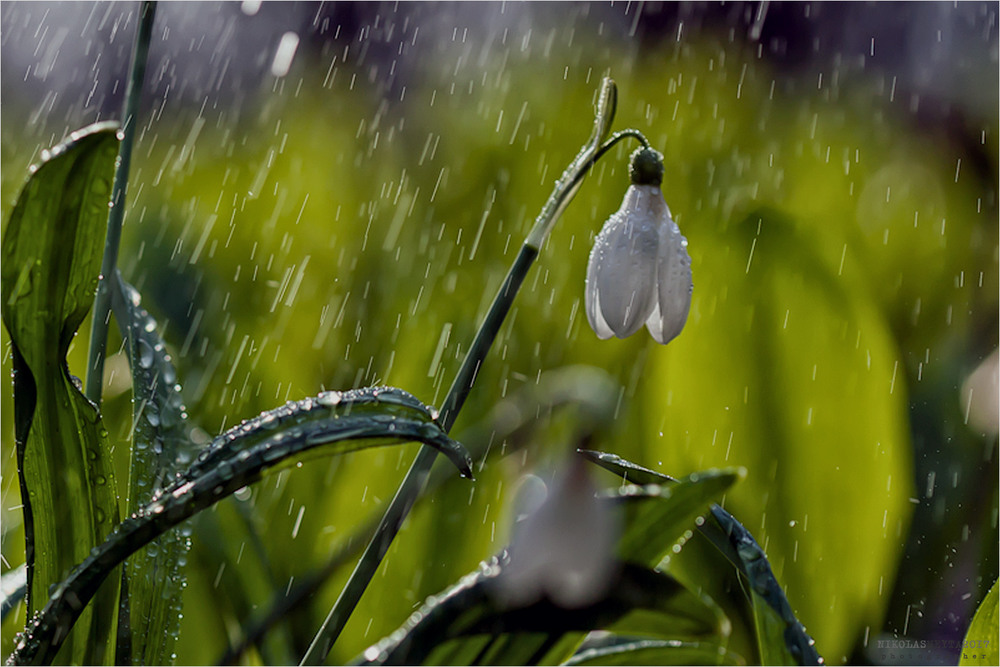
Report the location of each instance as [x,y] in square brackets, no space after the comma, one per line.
[50,262]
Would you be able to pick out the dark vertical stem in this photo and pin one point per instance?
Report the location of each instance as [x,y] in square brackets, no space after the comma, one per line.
[102,302]
[463,382]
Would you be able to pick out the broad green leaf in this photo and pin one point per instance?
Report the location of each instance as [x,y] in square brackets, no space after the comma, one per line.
[154,579]
[636,474]
[50,262]
[982,641]
[657,517]
[781,638]
[331,423]
[632,651]
[468,625]
[788,369]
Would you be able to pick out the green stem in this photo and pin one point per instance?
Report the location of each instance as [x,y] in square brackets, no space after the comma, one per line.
[416,477]
[102,302]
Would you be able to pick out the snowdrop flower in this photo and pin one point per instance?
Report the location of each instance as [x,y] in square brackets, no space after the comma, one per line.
[562,548]
[639,271]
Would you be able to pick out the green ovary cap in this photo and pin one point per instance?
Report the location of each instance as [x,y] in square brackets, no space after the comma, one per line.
[646,167]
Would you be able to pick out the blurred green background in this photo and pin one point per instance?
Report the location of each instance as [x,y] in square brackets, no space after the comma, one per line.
[834,168]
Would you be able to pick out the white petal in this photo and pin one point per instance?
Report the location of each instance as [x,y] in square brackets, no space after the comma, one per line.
[565,549]
[622,269]
[674,285]
[592,300]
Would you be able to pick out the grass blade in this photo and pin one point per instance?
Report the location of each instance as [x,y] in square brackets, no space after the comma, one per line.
[160,447]
[332,423]
[50,258]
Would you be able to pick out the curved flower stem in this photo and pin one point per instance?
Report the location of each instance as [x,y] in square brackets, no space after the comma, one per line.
[566,188]
[102,302]
[416,477]
[618,136]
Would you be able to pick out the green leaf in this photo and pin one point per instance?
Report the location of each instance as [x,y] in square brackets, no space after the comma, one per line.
[331,423]
[636,474]
[154,579]
[982,641]
[617,650]
[50,261]
[657,517]
[781,638]
[651,528]
[631,473]
[468,625]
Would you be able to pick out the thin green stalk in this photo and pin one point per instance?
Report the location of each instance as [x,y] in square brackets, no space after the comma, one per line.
[102,301]
[416,477]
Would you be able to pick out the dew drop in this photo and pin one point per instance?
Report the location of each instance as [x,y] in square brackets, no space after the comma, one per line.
[330,398]
[145,354]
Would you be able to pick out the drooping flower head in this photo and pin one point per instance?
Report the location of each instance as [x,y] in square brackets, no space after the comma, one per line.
[639,271]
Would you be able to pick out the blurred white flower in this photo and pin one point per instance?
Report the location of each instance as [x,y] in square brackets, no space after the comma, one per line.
[981,396]
[639,271]
[564,548]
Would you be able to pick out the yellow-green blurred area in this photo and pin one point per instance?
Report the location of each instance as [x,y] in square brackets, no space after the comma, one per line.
[348,222]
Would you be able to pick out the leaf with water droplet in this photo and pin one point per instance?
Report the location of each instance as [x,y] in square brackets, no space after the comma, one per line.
[241,456]
[656,517]
[49,263]
[160,442]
